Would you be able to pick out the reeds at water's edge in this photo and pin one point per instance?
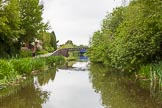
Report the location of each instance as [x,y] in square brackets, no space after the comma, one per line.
[14,69]
[154,73]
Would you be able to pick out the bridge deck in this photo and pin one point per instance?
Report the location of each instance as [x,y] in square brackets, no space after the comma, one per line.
[76,49]
[64,51]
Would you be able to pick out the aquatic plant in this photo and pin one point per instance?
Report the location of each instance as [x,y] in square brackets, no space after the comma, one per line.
[38,63]
[55,60]
[22,66]
[144,71]
[9,69]
[7,72]
[153,72]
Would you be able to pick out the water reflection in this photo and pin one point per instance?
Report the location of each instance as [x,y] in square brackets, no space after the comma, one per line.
[70,64]
[30,95]
[79,87]
[72,89]
[45,77]
[27,97]
[83,58]
[67,65]
[119,91]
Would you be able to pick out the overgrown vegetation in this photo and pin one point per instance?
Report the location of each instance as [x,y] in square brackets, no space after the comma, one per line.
[11,69]
[130,38]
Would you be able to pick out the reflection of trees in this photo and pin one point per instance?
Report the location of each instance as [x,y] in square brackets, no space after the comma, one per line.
[30,95]
[27,97]
[67,65]
[117,90]
[46,76]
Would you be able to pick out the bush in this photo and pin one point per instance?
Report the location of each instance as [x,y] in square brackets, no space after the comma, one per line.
[41,52]
[25,53]
[49,49]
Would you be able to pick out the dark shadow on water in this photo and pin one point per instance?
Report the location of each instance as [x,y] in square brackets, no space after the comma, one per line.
[119,90]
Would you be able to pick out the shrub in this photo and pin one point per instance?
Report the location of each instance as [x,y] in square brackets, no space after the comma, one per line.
[25,53]
[41,52]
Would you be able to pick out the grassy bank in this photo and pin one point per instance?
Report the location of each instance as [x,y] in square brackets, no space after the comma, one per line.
[12,71]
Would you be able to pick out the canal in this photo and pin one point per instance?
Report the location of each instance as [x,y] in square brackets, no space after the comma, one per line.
[81,86]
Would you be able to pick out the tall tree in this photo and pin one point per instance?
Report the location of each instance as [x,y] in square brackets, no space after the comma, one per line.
[31,18]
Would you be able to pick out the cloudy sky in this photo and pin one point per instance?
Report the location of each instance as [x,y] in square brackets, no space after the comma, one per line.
[76,20]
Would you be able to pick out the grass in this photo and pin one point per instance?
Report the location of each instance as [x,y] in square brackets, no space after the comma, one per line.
[11,70]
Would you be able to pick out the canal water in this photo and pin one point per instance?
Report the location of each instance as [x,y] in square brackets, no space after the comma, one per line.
[81,86]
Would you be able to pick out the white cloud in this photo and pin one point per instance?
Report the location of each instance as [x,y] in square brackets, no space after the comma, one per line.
[76,20]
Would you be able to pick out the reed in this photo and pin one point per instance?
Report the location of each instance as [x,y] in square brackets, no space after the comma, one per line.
[153,72]
[22,66]
[7,72]
[10,69]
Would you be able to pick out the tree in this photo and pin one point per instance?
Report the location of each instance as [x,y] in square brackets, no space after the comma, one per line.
[10,27]
[130,36]
[139,36]
[31,18]
[53,41]
[20,21]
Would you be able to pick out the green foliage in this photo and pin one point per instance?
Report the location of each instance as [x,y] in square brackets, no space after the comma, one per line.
[39,52]
[154,73]
[68,44]
[31,19]
[145,71]
[23,66]
[27,65]
[53,41]
[10,28]
[10,69]
[130,36]
[157,68]
[20,21]
[25,53]
[49,41]
[7,72]
[52,60]
[38,64]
